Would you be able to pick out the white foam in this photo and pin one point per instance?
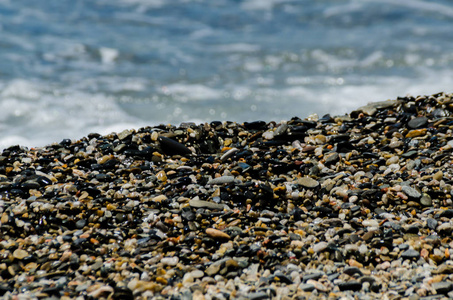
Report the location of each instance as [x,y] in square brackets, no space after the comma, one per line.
[191,92]
[108,55]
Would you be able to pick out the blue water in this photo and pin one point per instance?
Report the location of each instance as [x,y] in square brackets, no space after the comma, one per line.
[71,67]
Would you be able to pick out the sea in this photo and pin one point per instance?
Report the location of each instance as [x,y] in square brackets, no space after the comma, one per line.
[73,67]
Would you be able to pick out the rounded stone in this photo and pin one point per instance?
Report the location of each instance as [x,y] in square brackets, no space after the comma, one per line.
[307,182]
[217,234]
[417,122]
[20,253]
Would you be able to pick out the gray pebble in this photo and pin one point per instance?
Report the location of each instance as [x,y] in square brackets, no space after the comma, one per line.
[205,204]
[410,253]
[411,192]
[417,122]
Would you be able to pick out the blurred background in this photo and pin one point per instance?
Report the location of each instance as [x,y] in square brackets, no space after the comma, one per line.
[71,67]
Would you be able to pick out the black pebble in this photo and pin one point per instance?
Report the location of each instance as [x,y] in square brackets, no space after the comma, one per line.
[350,286]
[172,147]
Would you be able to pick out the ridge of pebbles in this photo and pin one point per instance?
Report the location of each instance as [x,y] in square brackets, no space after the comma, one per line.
[353,207]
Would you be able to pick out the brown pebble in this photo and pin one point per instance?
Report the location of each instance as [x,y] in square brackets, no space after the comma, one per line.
[217,234]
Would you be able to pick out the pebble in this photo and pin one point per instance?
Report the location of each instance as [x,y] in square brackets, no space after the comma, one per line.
[417,122]
[20,254]
[221,180]
[170,261]
[410,253]
[205,204]
[319,247]
[217,234]
[411,192]
[308,182]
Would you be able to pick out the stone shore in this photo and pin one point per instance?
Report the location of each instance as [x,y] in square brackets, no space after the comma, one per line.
[334,207]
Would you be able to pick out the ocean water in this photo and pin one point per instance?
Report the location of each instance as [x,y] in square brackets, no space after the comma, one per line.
[71,67]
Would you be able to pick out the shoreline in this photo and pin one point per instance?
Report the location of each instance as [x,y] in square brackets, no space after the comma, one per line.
[349,206]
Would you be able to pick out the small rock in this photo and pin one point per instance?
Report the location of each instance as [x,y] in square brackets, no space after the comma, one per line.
[217,234]
[124,134]
[350,286]
[172,147]
[411,192]
[307,182]
[416,132]
[442,287]
[418,122]
[205,204]
[221,180]
[20,254]
[257,296]
[352,270]
[212,269]
[426,200]
[170,261]
[331,158]
[319,247]
[410,253]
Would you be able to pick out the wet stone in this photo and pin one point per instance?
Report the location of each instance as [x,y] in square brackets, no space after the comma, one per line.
[410,254]
[172,147]
[418,122]
[350,286]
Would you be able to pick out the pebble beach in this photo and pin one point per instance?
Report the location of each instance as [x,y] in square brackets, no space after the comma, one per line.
[356,206]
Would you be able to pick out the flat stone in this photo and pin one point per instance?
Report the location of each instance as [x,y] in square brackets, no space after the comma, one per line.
[371,108]
[217,234]
[306,287]
[443,269]
[411,192]
[319,247]
[307,182]
[442,287]
[431,223]
[314,276]
[20,254]
[410,253]
[350,286]
[417,122]
[205,204]
[212,269]
[332,158]
[221,180]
